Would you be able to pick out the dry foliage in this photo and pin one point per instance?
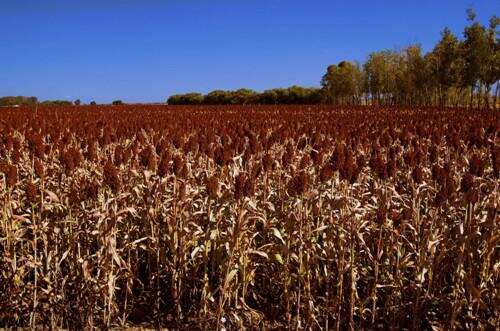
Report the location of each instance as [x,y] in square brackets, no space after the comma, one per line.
[245,217]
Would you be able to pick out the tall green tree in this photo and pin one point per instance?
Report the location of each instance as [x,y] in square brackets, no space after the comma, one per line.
[490,73]
[381,76]
[342,83]
[417,74]
[446,64]
[476,55]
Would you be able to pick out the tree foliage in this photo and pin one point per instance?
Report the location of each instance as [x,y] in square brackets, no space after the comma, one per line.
[456,72]
[17,101]
[444,76]
[57,102]
[290,95]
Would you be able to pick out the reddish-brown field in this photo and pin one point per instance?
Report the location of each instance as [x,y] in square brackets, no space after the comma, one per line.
[272,217]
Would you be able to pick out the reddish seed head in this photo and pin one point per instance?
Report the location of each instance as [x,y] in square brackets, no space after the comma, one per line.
[243,186]
[219,158]
[74,195]
[419,155]
[16,156]
[9,142]
[36,145]
[111,176]
[382,213]
[127,154]
[337,158]
[287,157]
[212,186]
[349,167]
[118,155]
[441,174]
[39,168]
[299,184]
[354,174]
[441,197]
[476,165]
[317,156]
[267,162]
[148,158]
[305,161]
[178,142]
[246,157]
[71,159]
[141,136]
[326,173]
[192,145]
[254,145]
[16,143]
[12,176]
[10,172]
[472,196]
[31,192]
[360,161]
[467,182]
[179,167]
[164,165]
[450,186]
[91,153]
[409,158]
[396,218]
[407,214]
[393,152]
[433,154]
[90,190]
[417,174]
[378,166]
[256,171]
[391,167]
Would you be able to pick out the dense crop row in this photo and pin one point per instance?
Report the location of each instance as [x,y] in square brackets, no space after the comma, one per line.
[231,217]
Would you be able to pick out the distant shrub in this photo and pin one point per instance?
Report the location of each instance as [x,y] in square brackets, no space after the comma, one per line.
[57,102]
[186,99]
[290,95]
[19,100]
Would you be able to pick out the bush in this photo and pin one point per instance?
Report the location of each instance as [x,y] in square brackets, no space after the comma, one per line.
[19,100]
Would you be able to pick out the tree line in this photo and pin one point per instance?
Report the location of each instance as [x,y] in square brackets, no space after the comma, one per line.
[10,101]
[456,72]
[290,95]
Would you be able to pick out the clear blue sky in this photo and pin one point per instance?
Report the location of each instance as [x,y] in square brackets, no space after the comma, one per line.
[145,50]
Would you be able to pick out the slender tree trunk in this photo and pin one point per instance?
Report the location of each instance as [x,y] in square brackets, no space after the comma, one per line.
[487,91]
[440,96]
[471,96]
[496,95]
[459,96]
[479,95]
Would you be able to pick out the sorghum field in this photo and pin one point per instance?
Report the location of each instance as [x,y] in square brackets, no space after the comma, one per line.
[257,217]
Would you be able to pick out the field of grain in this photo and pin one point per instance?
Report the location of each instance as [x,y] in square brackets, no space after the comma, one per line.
[272,217]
